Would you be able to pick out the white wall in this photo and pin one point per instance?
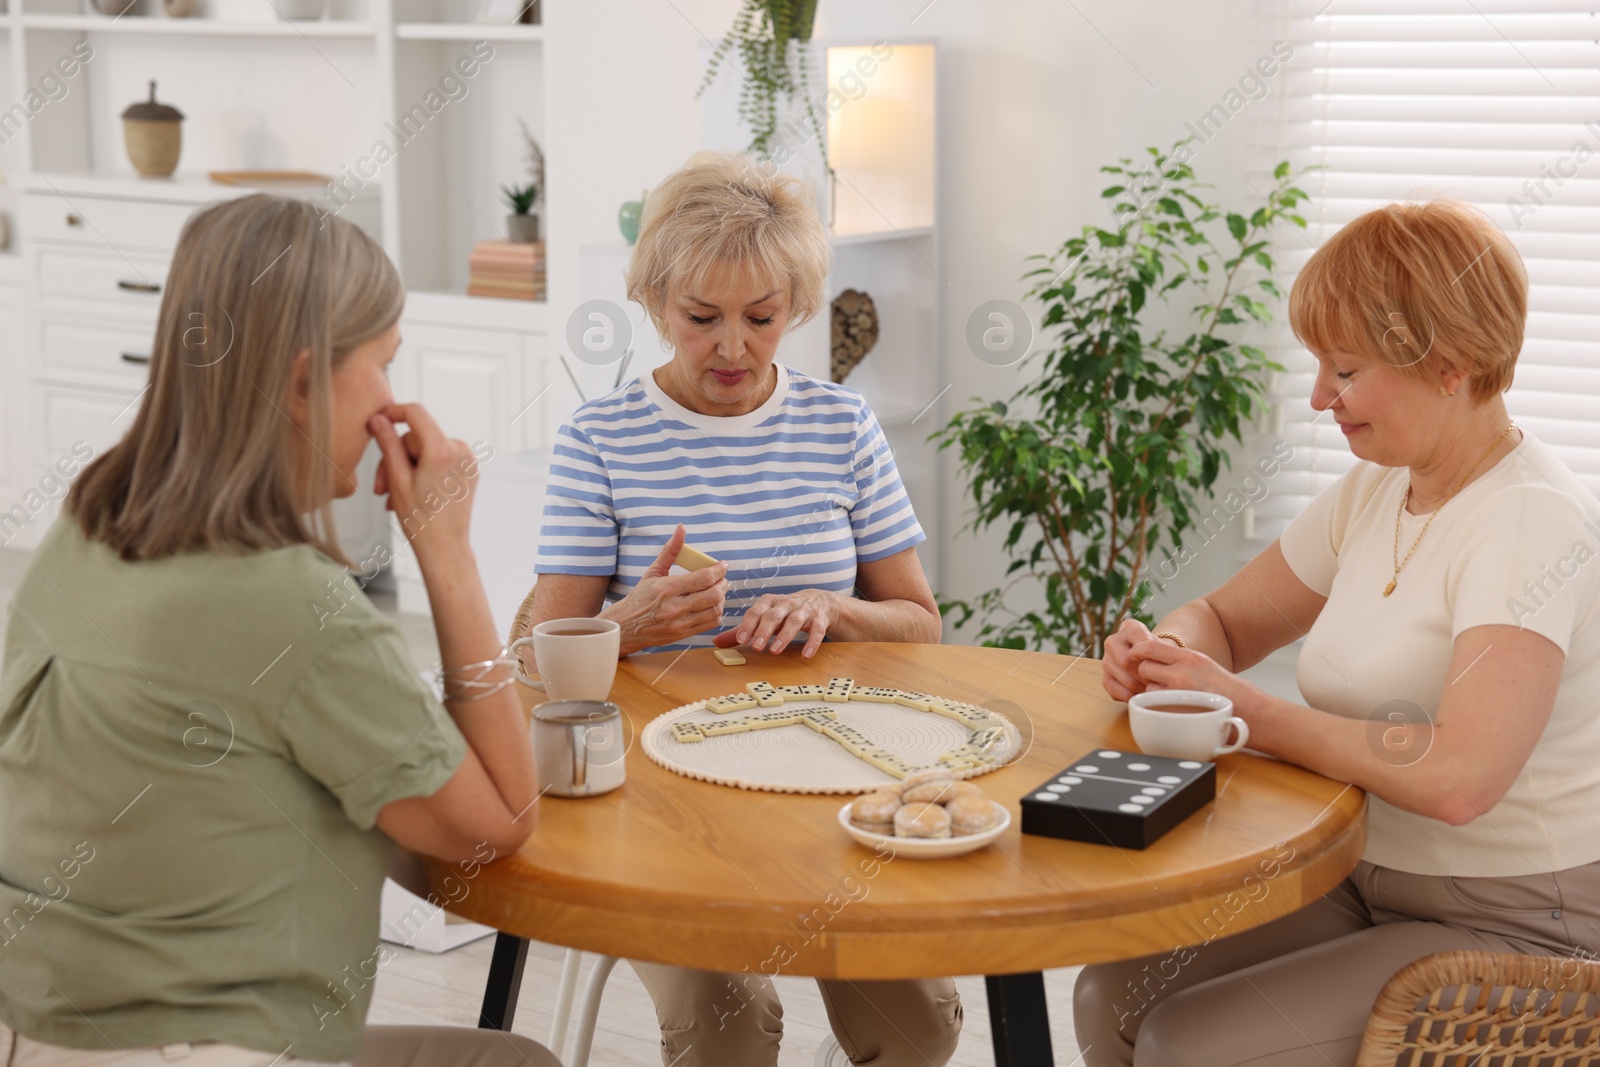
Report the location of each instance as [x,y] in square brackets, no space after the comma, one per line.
[1036,95]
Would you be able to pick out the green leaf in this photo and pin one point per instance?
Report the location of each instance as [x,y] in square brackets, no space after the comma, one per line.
[1118,430]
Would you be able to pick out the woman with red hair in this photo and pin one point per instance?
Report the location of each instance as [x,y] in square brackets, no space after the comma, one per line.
[1447,601]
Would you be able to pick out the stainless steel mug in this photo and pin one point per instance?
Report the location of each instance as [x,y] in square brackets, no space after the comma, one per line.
[578,746]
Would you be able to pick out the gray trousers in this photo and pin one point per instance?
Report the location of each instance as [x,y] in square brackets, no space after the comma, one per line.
[735,1020]
[1297,991]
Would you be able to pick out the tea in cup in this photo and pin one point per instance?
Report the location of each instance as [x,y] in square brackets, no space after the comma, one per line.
[577,658]
[1185,724]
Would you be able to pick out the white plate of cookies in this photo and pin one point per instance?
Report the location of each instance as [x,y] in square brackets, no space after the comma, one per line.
[929,815]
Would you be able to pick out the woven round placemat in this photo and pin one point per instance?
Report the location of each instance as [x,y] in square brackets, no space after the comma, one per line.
[797,759]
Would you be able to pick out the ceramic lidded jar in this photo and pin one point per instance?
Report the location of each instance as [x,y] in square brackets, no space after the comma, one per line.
[153,135]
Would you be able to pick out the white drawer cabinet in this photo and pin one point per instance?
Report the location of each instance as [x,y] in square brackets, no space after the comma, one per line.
[467,379]
[105,221]
[128,283]
[95,267]
[488,385]
[492,386]
[96,257]
[69,415]
[107,354]
[90,278]
[70,425]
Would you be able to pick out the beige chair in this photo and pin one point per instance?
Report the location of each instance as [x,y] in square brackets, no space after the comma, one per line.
[1483,1009]
[519,630]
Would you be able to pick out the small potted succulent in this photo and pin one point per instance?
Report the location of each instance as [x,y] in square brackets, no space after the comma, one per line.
[521,227]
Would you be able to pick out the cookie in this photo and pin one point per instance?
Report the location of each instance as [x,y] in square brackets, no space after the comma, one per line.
[972,815]
[921,820]
[875,811]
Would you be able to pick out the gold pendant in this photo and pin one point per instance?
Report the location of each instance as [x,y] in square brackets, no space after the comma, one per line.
[1389,588]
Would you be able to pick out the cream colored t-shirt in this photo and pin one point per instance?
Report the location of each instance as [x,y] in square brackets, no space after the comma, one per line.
[1520,546]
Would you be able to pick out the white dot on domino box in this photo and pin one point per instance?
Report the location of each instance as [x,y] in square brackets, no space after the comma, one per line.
[1141,800]
[1131,809]
[1138,766]
[1069,779]
[1044,796]
[1169,779]
[1110,755]
[1189,764]
[1056,788]
[1086,768]
[1153,791]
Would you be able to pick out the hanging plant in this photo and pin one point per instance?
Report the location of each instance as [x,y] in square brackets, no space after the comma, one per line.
[760,34]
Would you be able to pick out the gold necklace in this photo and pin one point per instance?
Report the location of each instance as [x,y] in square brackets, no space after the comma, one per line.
[1400,563]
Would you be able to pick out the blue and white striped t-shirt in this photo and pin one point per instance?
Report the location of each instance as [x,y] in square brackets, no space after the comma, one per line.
[792,496]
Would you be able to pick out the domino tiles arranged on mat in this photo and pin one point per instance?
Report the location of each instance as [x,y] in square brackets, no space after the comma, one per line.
[987,732]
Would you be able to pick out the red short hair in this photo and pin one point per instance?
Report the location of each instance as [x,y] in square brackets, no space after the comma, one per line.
[1418,286]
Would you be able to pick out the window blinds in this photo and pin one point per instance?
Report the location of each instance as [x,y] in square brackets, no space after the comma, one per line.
[1496,102]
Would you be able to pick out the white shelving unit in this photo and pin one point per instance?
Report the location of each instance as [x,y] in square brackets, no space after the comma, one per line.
[81,283]
[440,93]
[444,94]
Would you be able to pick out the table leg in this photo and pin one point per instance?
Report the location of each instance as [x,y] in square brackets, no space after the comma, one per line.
[505,980]
[1019,1020]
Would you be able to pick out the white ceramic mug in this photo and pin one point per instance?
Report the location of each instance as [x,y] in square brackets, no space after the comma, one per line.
[578,747]
[577,658]
[1196,735]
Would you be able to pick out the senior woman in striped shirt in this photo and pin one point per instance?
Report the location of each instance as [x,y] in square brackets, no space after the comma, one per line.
[790,483]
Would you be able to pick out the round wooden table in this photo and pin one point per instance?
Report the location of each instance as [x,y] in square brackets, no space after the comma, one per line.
[680,871]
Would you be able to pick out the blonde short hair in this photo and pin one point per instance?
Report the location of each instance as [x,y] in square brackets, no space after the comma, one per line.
[1420,286]
[211,460]
[723,209]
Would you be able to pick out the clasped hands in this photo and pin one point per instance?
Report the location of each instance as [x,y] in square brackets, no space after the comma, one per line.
[1136,660]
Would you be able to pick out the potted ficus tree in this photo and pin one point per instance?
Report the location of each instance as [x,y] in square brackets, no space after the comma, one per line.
[766,35]
[1101,458]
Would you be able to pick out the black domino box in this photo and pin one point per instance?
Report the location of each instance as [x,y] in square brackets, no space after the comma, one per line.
[1126,799]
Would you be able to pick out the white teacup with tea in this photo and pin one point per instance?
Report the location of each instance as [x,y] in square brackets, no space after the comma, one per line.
[1185,724]
[577,658]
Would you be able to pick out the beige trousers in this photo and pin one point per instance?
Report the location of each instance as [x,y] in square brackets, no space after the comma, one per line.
[381,1046]
[1297,991]
[735,1020]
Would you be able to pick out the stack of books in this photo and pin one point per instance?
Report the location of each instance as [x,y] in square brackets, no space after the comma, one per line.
[506,270]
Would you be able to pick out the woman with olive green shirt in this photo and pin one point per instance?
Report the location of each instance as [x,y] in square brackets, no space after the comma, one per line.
[210,741]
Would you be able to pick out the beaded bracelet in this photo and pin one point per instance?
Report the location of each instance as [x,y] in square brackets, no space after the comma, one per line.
[1169,636]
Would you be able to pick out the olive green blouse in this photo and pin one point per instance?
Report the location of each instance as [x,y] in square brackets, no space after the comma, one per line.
[193,752]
